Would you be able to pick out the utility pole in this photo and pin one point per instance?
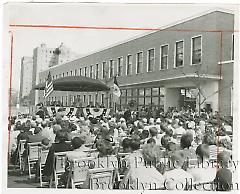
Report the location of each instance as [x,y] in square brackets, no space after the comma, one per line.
[199,98]
[199,91]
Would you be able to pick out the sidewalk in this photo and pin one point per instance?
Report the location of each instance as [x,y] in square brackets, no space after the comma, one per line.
[16,180]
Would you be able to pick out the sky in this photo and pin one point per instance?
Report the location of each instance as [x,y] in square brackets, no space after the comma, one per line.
[84,41]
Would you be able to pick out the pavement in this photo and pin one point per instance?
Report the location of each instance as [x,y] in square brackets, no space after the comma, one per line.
[18,180]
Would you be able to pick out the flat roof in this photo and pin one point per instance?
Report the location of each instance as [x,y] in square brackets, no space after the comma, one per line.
[153,31]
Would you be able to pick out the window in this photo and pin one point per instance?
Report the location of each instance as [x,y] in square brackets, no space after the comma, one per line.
[155,91]
[67,73]
[196,50]
[96,98]
[63,74]
[110,101]
[129,65]
[71,73]
[89,98]
[75,72]
[85,71]
[232,53]
[91,71]
[84,98]
[56,76]
[80,71]
[102,98]
[164,57]
[139,66]
[97,71]
[53,77]
[120,66]
[103,69]
[179,55]
[151,60]
[111,68]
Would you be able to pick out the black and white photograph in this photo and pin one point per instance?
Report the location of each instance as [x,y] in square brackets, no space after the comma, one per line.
[121,96]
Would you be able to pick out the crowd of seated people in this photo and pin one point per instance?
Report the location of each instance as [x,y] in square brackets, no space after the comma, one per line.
[170,152]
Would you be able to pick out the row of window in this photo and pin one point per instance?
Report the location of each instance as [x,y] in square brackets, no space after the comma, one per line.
[107,70]
[143,96]
[154,97]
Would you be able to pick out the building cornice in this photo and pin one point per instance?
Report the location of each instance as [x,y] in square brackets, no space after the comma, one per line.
[206,76]
[225,62]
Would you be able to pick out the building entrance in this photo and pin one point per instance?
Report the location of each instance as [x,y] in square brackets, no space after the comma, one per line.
[188,97]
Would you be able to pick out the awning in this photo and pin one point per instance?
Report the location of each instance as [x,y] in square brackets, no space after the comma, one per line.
[76,83]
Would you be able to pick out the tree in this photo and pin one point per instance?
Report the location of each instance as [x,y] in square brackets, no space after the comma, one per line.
[201,95]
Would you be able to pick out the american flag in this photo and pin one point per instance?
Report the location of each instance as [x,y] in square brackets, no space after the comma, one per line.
[49,86]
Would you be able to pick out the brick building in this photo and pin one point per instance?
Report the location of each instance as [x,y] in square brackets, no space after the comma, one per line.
[164,68]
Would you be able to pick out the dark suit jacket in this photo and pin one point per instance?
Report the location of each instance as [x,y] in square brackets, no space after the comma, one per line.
[22,136]
[127,115]
[35,138]
[56,147]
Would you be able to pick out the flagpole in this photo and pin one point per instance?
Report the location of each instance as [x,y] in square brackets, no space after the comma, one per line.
[45,101]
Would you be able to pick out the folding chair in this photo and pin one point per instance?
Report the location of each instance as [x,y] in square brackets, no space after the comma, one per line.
[59,166]
[33,156]
[91,152]
[122,164]
[106,162]
[78,171]
[101,178]
[42,160]
[110,162]
[20,151]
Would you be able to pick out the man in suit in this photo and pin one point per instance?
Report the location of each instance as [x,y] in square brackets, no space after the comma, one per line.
[37,137]
[127,115]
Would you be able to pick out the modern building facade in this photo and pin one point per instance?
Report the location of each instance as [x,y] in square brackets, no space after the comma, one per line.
[189,63]
[25,79]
